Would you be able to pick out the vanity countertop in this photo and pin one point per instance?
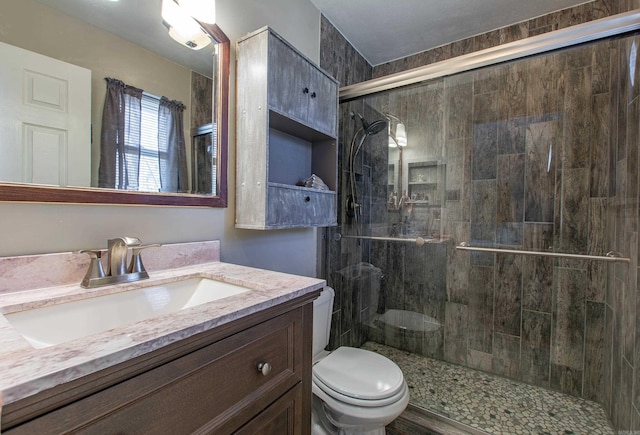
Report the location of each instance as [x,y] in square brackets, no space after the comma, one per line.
[25,371]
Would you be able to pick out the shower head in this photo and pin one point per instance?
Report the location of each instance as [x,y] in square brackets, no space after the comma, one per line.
[374,128]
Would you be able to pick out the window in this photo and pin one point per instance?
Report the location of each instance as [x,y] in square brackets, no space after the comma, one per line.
[142,141]
[149,175]
[148,179]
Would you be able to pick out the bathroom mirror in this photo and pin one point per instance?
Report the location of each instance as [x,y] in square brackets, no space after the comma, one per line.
[91,34]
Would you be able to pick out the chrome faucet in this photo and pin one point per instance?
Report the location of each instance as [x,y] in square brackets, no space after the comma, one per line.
[117,269]
[118,250]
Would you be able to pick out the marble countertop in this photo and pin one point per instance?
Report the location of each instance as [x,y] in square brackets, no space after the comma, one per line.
[25,371]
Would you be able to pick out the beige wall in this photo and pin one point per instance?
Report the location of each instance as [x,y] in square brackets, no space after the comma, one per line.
[40,228]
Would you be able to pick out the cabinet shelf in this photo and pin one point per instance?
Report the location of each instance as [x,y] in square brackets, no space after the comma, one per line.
[290,126]
[423,183]
[301,188]
[423,203]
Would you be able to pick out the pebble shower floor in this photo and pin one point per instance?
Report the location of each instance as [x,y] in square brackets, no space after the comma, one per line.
[491,403]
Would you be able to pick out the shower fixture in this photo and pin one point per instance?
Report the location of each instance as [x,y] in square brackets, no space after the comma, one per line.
[374,128]
[367,129]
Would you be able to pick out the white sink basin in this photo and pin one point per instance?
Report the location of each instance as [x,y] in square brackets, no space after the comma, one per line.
[47,326]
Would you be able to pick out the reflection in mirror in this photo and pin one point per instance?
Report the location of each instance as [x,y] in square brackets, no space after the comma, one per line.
[415,186]
[61,156]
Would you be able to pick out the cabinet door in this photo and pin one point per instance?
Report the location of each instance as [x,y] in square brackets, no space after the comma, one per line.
[323,102]
[288,87]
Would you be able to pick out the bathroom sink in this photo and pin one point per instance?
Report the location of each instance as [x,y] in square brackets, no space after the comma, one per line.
[47,326]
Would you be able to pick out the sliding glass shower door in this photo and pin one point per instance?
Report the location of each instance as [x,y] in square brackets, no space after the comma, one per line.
[537,155]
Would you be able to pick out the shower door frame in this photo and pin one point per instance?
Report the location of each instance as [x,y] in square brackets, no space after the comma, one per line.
[587,32]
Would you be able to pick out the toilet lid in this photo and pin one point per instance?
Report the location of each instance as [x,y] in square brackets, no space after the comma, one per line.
[359,373]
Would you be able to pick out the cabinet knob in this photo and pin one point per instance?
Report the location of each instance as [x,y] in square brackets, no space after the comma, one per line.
[264,368]
[305,91]
[313,94]
[307,198]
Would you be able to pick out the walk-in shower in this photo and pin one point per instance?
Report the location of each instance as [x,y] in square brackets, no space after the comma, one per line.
[522,187]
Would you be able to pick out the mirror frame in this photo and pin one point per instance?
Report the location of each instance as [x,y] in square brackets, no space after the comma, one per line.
[21,192]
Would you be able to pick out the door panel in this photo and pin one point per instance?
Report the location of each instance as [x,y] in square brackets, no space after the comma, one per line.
[45,113]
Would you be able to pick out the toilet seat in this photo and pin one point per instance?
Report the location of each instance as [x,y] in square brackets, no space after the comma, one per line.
[359,377]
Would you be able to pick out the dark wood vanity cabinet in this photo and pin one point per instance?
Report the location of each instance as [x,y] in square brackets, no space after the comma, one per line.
[207,384]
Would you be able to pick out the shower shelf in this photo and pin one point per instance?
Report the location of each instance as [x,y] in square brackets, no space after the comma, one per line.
[610,256]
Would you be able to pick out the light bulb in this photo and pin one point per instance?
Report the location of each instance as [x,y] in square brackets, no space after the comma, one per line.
[392,142]
[183,28]
[401,135]
[193,40]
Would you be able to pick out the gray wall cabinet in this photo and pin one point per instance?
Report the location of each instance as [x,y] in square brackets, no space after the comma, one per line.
[287,126]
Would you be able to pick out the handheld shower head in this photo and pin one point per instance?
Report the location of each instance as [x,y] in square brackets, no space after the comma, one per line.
[376,127]
[370,129]
[356,143]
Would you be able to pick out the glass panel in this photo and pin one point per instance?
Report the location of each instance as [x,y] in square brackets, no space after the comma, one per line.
[539,155]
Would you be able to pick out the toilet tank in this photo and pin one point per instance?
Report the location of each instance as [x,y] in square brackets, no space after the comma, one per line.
[364,280]
[322,310]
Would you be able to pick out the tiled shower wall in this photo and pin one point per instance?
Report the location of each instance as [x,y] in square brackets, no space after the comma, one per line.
[567,325]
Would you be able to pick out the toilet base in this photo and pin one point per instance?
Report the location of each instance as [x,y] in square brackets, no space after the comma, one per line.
[320,424]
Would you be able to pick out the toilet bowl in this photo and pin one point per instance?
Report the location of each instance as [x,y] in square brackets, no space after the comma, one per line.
[355,391]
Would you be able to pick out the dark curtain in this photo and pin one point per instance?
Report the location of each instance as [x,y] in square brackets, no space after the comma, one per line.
[171,146]
[120,137]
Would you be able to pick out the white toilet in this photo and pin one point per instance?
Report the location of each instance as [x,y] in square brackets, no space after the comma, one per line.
[355,391]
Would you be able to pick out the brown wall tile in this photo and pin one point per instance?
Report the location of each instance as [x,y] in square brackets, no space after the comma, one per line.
[594,344]
[568,317]
[536,347]
[455,335]
[508,294]
[539,175]
[481,280]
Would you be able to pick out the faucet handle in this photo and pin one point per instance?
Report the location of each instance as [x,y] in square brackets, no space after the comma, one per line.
[128,241]
[132,241]
[95,266]
[118,250]
[136,265]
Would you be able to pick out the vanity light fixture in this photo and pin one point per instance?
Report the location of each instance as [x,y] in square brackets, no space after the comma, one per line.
[401,134]
[399,139]
[392,140]
[202,10]
[183,28]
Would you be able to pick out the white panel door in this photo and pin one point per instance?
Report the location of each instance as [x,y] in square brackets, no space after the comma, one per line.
[45,119]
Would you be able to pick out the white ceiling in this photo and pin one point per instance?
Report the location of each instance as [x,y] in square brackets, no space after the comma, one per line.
[386,30]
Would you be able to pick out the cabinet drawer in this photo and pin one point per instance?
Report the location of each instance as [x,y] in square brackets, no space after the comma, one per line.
[281,418]
[290,206]
[214,389]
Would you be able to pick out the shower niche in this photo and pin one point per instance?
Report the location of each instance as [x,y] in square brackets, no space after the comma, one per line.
[416,208]
[425,184]
[287,154]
